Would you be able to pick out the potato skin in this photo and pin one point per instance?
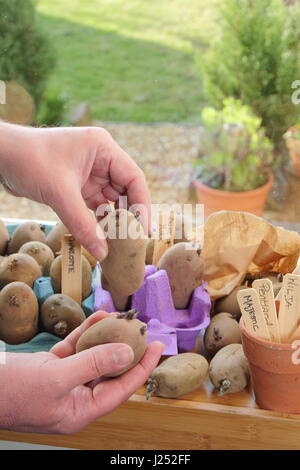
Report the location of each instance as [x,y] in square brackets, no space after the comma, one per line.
[149,250]
[124,267]
[121,302]
[26,232]
[55,274]
[41,253]
[222,330]
[60,315]
[18,313]
[114,329]
[19,267]
[229,364]
[229,303]
[53,239]
[4,238]
[184,266]
[178,375]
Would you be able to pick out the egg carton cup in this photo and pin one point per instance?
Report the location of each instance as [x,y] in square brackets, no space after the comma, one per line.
[177,329]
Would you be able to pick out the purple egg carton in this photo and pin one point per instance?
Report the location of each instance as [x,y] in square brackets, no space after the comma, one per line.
[177,329]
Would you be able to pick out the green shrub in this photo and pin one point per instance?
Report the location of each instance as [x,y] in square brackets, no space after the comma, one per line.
[236,156]
[53,108]
[256,58]
[26,56]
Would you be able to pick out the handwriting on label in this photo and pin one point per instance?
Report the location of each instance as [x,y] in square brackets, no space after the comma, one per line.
[252,313]
[264,289]
[289,306]
[71,279]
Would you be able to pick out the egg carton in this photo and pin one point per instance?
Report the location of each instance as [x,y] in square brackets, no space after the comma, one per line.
[176,329]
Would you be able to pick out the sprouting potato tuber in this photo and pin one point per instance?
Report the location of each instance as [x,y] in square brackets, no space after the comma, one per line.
[222,330]
[124,267]
[149,250]
[184,266]
[54,237]
[18,313]
[117,328]
[229,369]
[19,267]
[55,274]
[26,232]
[60,315]
[177,376]
[41,253]
[121,302]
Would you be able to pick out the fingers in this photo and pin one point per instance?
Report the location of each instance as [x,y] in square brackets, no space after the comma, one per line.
[90,364]
[125,173]
[67,347]
[73,211]
[111,393]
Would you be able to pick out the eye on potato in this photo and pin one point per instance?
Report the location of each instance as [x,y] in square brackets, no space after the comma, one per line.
[19,267]
[222,330]
[41,253]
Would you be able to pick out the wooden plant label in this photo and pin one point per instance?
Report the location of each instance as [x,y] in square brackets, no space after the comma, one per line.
[289,311]
[252,313]
[71,276]
[264,289]
[166,233]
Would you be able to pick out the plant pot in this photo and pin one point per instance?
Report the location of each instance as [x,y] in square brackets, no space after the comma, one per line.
[215,200]
[274,373]
[293,146]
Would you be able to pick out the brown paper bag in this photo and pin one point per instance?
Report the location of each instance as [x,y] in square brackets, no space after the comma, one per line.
[236,243]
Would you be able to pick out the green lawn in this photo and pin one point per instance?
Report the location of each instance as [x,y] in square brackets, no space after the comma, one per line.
[132,60]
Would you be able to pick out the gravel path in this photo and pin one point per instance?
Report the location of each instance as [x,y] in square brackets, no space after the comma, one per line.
[165,152]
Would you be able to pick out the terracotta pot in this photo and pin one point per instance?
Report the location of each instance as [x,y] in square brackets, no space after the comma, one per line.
[215,200]
[274,371]
[293,146]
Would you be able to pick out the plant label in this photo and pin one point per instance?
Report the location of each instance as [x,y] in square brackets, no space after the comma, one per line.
[252,313]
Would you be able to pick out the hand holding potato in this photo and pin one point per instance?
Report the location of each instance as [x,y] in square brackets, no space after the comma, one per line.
[71,170]
[54,397]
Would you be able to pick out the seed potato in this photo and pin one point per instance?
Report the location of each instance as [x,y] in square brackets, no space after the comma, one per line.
[229,369]
[18,313]
[222,330]
[117,328]
[177,376]
[184,266]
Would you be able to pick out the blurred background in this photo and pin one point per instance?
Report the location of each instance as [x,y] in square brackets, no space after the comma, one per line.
[203,95]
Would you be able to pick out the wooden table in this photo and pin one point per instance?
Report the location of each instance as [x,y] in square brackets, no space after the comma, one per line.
[201,420]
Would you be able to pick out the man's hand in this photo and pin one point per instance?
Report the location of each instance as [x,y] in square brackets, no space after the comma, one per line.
[71,170]
[57,392]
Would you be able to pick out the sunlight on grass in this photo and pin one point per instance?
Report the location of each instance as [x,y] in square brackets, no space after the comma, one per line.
[132,61]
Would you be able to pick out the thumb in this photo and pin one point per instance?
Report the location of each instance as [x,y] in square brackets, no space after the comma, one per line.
[91,364]
[80,221]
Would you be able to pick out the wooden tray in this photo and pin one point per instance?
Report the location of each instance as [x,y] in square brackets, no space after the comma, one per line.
[201,420]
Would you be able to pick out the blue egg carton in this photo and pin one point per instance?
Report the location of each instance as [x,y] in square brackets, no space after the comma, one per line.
[43,289]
